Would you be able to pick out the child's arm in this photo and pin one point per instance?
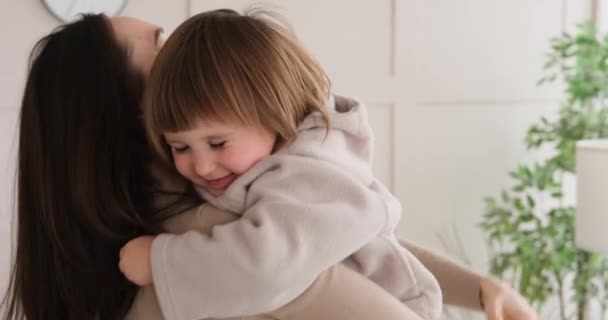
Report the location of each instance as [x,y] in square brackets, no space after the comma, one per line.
[338,293]
[299,223]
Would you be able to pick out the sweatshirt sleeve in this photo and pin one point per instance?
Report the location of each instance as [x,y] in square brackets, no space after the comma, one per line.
[301,219]
[459,283]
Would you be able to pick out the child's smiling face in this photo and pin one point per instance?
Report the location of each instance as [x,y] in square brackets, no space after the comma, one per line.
[213,154]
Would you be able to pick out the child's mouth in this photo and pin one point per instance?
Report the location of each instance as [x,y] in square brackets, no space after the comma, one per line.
[220,184]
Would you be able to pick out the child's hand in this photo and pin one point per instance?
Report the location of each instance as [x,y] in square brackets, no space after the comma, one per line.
[135,261]
[501,302]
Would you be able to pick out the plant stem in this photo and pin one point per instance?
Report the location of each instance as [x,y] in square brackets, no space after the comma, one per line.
[602,116]
[581,262]
[560,292]
[581,310]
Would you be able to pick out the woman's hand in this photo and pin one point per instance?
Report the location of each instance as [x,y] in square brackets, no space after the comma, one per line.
[501,302]
[135,261]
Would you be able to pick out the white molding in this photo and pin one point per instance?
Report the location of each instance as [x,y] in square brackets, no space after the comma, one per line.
[388,159]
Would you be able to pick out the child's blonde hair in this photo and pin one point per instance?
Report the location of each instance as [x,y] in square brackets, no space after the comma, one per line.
[224,66]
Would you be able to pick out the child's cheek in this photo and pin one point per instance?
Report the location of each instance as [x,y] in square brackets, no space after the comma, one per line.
[181,165]
[233,160]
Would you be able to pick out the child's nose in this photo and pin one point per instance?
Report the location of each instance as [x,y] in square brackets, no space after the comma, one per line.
[204,167]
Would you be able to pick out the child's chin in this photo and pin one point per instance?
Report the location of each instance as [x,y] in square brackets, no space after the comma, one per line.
[216,193]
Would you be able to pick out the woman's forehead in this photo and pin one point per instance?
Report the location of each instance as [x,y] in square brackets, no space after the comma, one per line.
[142,40]
[129,29]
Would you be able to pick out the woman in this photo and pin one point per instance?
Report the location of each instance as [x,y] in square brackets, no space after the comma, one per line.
[83,193]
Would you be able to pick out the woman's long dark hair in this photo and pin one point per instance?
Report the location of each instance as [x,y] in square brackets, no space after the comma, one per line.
[82,176]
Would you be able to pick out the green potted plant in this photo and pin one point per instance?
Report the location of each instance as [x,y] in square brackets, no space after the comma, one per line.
[530,228]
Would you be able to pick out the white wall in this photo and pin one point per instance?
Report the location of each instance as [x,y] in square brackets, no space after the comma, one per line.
[450,85]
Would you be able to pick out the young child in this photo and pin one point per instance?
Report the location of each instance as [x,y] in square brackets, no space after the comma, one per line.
[246,114]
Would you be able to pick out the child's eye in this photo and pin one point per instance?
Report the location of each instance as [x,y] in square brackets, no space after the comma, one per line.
[179,149]
[217,145]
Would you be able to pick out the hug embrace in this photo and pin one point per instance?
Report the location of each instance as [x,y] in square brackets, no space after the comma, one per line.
[211,175]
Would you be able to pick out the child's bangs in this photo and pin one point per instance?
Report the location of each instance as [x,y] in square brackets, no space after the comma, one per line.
[227,92]
[200,92]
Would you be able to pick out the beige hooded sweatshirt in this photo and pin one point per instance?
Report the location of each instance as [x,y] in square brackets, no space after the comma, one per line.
[303,209]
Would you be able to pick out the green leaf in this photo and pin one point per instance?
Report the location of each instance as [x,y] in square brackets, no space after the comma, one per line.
[531,202]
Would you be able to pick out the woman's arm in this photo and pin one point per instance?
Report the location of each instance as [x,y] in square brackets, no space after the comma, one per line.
[466,288]
[459,284]
[340,293]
